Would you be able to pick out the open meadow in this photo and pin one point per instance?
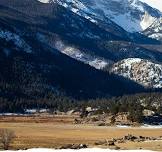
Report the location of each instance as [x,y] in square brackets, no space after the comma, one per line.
[54,132]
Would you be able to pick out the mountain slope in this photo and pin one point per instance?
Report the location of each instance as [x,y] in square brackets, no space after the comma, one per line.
[155,30]
[131,15]
[32,66]
[79,37]
[28,74]
[144,72]
[55,28]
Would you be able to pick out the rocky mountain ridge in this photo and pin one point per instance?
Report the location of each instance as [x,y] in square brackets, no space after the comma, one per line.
[131,15]
[144,72]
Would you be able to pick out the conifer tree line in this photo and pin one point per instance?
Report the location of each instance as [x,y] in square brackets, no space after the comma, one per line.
[132,103]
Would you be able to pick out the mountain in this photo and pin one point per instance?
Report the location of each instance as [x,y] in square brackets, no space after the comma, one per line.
[34,73]
[131,15]
[63,50]
[155,30]
[144,72]
[33,61]
[134,17]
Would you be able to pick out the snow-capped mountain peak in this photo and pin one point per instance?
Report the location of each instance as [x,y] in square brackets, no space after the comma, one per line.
[131,15]
[154,3]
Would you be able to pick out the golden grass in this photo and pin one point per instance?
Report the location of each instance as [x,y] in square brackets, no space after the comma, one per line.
[54,134]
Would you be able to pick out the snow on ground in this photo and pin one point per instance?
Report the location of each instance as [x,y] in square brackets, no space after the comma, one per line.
[81,150]
[145,126]
[123,126]
[157,36]
[86,58]
[44,1]
[16,39]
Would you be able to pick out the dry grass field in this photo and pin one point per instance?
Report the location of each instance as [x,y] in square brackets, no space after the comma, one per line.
[53,132]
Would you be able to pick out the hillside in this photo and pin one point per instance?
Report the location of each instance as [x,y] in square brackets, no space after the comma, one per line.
[32,68]
[144,72]
[54,52]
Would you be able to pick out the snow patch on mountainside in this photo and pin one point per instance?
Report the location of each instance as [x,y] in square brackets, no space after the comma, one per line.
[75,53]
[144,72]
[77,7]
[16,39]
[124,14]
[44,1]
[154,3]
[157,36]
[147,20]
[155,30]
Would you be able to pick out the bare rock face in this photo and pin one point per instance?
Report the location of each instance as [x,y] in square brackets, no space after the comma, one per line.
[144,72]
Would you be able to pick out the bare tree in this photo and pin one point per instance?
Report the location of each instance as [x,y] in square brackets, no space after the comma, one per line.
[6,137]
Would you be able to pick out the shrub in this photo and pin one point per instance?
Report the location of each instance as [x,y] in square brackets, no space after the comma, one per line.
[6,138]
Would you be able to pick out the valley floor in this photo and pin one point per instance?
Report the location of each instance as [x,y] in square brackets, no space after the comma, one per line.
[60,131]
[81,150]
